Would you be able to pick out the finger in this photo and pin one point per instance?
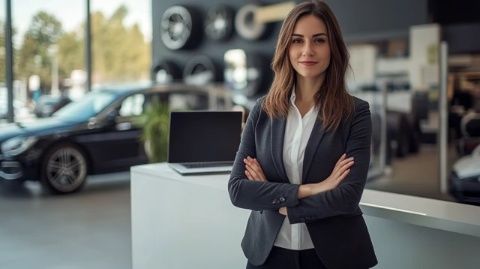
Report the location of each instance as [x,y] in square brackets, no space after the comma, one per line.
[255,168]
[343,175]
[259,167]
[340,163]
[341,158]
[347,165]
[346,161]
[250,166]
[248,175]
[339,171]
[254,165]
[252,173]
[250,161]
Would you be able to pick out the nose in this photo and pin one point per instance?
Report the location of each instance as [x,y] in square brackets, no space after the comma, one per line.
[307,49]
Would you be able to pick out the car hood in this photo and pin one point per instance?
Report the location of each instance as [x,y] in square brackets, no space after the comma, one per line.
[38,128]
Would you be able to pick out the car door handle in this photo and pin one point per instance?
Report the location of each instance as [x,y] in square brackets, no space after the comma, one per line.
[122,126]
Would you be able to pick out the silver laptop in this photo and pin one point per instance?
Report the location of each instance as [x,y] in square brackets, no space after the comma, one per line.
[203,142]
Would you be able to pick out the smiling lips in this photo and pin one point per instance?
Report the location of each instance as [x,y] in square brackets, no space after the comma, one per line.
[308,63]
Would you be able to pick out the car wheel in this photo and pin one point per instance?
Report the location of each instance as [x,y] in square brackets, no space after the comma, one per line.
[64,169]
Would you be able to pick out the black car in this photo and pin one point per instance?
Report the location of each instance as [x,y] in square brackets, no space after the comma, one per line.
[94,135]
[48,104]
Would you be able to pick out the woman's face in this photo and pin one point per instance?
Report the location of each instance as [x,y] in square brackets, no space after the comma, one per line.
[309,50]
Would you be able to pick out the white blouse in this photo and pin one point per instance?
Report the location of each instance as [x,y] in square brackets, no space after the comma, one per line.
[297,133]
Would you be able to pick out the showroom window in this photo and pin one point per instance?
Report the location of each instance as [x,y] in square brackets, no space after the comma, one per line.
[132,106]
[3,87]
[121,37]
[48,49]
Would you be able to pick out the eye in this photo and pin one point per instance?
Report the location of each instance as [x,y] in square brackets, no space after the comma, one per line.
[320,40]
[297,40]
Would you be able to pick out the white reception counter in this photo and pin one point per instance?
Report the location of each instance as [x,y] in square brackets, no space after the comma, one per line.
[189,222]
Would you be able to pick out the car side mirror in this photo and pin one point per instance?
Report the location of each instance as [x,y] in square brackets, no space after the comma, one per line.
[112,116]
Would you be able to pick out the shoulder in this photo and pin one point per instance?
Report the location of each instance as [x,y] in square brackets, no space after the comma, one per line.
[361,112]
[360,105]
[258,107]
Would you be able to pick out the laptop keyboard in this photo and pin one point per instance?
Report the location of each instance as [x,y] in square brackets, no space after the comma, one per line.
[207,164]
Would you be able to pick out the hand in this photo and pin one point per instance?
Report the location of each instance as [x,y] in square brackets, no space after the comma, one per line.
[283,211]
[340,171]
[253,170]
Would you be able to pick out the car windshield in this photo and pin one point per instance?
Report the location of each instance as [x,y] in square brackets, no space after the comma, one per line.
[87,107]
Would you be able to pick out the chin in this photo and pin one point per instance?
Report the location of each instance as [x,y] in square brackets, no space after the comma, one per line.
[309,75]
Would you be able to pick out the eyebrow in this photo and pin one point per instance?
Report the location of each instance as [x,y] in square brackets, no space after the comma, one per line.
[315,35]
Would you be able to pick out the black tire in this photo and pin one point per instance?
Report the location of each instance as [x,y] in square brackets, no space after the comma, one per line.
[200,70]
[180,27]
[64,169]
[166,72]
[219,23]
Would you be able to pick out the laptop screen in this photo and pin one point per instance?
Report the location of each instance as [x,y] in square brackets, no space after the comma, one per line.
[204,136]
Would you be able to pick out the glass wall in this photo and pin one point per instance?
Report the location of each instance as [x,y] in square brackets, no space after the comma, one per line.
[121,38]
[48,49]
[3,88]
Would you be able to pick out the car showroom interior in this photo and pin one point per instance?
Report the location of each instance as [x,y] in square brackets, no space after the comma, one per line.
[103,101]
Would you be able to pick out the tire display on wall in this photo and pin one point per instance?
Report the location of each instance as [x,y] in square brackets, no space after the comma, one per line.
[179,27]
[247,74]
[246,26]
[219,23]
[200,70]
[64,169]
[166,72]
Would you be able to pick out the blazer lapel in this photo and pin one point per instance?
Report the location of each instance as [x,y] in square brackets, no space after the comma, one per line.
[277,136]
[318,132]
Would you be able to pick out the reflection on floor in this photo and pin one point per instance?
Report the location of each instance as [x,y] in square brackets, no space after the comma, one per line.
[90,229]
[417,174]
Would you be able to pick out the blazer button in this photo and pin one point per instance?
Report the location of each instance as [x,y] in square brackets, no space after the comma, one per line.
[282,199]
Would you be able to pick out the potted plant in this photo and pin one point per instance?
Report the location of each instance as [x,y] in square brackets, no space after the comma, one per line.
[154,122]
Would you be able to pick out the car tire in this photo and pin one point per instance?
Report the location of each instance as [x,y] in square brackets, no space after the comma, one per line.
[64,169]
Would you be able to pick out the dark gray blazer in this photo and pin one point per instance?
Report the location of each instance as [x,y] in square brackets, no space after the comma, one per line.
[333,218]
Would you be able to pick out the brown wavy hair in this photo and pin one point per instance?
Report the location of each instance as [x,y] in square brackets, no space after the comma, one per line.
[332,98]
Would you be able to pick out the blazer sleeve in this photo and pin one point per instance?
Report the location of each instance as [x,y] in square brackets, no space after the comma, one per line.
[344,199]
[256,195]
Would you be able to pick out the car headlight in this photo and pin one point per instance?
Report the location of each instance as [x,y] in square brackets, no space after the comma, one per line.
[17,145]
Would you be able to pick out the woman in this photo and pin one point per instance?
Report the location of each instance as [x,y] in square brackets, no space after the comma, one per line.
[303,159]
